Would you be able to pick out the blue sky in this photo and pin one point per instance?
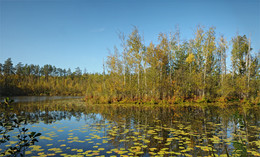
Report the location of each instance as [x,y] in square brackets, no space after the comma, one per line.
[78,33]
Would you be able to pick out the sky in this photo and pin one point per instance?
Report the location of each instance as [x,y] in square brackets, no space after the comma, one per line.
[80,33]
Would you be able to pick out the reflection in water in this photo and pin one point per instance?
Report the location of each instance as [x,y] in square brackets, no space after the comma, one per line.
[143,130]
[39,98]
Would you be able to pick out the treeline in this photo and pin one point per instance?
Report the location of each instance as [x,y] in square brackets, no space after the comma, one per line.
[36,80]
[173,70]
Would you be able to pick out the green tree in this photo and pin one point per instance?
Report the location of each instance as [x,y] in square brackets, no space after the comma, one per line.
[209,53]
[8,68]
[240,59]
[135,57]
[222,66]
[198,51]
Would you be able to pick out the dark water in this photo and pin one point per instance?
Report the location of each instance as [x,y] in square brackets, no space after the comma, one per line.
[40,98]
[71,127]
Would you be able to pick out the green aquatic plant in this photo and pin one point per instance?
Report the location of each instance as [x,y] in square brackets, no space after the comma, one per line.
[10,122]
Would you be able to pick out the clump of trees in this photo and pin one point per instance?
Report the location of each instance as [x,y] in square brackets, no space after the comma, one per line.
[173,70]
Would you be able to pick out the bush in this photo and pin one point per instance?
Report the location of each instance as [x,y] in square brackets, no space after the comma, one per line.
[9,122]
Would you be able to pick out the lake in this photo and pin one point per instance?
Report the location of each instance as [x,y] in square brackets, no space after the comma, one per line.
[72,127]
[39,98]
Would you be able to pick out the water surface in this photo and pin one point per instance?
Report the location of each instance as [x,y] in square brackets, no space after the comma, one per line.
[72,127]
[40,98]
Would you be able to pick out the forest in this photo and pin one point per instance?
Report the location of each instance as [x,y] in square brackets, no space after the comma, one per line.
[205,68]
[23,80]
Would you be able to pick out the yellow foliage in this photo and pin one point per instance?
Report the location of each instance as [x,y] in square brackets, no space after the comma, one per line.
[190,58]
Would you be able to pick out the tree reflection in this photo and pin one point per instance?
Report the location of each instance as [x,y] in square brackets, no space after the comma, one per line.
[193,126]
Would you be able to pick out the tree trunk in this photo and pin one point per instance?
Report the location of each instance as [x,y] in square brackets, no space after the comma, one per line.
[248,67]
